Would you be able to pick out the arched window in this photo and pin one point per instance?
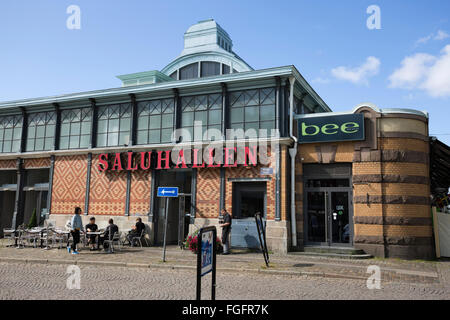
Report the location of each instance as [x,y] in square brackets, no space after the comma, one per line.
[209,68]
[225,69]
[189,72]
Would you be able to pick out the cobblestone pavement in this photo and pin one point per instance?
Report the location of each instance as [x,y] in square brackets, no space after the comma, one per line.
[45,281]
[391,269]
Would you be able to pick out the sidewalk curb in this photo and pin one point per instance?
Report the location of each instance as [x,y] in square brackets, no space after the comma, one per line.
[193,268]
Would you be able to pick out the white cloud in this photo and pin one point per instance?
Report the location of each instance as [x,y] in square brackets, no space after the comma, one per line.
[440,35]
[425,72]
[412,71]
[424,39]
[358,75]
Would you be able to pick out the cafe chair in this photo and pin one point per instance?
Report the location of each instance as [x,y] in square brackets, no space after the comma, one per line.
[138,239]
[114,239]
[9,234]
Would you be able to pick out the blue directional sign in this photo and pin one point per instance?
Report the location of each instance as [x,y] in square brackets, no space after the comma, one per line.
[168,192]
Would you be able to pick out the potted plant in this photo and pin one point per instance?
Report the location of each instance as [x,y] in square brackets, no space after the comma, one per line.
[191,243]
[33,220]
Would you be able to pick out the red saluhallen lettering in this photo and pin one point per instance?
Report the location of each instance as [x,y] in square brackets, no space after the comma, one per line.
[146,161]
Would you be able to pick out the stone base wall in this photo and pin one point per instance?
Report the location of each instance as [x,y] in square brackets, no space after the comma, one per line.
[277,233]
[278,236]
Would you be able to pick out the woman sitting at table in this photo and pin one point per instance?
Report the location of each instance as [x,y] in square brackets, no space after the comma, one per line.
[91,227]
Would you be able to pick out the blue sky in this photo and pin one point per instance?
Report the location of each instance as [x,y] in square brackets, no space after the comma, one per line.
[406,63]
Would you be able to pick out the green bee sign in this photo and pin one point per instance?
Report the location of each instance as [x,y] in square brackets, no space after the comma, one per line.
[344,127]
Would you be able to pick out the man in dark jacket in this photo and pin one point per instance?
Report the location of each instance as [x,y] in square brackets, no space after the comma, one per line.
[110,231]
[226,230]
[136,231]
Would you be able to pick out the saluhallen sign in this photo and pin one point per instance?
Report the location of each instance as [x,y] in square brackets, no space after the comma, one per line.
[345,127]
[182,158]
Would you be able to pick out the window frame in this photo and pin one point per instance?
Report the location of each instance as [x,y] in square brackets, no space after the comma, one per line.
[211,104]
[14,143]
[123,115]
[243,102]
[163,105]
[85,117]
[48,137]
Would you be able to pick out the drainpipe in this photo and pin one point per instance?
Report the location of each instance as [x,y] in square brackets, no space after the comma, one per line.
[293,154]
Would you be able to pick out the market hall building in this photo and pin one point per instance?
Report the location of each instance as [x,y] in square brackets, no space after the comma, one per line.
[358,179]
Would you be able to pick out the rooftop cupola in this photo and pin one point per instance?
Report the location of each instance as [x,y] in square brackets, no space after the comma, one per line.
[206,35]
[208,51]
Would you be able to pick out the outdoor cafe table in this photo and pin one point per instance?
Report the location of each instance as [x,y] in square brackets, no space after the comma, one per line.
[95,233]
[40,231]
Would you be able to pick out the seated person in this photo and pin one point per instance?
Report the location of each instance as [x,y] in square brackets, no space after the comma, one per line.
[91,227]
[136,230]
[110,230]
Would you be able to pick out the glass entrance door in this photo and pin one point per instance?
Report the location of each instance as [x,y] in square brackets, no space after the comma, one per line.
[317,217]
[328,217]
[339,209]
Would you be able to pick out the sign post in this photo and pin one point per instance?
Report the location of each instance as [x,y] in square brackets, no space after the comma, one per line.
[262,237]
[166,192]
[206,258]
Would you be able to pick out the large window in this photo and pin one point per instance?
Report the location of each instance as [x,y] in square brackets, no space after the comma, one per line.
[75,128]
[189,72]
[155,121]
[10,133]
[225,69]
[209,68]
[41,131]
[114,125]
[253,109]
[207,109]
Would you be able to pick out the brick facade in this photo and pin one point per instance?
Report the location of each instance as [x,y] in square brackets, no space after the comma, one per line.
[8,164]
[140,192]
[107,192]
[36,163]
[208,193]
[391,211]
[69,184]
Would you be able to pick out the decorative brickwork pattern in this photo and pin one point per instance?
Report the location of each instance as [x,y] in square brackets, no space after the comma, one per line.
[36,163]
[208,192]
[108,191]
[140,192]
[69,184]
[7,164]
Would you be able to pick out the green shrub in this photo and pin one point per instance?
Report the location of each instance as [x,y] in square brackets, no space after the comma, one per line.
[33,220]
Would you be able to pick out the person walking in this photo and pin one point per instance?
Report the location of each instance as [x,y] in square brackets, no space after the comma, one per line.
[226,230]
[76,225]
